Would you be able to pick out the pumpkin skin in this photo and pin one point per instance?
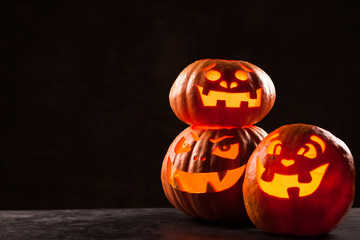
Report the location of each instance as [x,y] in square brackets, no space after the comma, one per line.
[203,171]
[299,181]
[222,93]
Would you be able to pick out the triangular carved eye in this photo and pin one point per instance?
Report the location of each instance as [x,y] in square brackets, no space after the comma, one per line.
[274,148]
[224,149]
[229,151]
[308,151]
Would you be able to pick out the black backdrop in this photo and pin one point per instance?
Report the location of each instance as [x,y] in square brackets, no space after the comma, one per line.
[84,97]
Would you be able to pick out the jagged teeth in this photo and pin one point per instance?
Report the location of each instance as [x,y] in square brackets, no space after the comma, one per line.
[221,175]
[203,182]
[232,100]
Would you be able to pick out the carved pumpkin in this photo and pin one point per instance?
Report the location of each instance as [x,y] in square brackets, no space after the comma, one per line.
[299,181]
[222,93]
[202,172]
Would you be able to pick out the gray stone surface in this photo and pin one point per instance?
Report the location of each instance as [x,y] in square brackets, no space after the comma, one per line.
[143,223]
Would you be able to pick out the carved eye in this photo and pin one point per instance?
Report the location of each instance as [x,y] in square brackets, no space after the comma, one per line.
[241,75]
[229,151]
[309,151]
[274,148]
[182,146]
[213,75]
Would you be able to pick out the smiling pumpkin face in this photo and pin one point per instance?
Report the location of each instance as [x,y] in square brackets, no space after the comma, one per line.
[299,176]
[203,170]
[297,171]
[225,93]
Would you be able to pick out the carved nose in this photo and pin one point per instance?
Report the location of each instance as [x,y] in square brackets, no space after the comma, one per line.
[287,162]
[225,85]
[203,158]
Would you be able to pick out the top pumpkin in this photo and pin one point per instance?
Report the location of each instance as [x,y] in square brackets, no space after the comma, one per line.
[222,93]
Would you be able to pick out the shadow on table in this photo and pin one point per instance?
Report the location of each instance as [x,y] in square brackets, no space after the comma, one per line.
[201,230]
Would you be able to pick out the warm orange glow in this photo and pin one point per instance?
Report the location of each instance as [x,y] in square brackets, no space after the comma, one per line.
[230,153]
[301,151]
[311,152]
[271,137]
[281,183]
[232,100]
[198,182]
[224,84]
[195,136]
[233,85]
[215,140]
[241,75]
[213,75]
[206,127]
[182,146]
[274,147]
[319,141]
[246,68]
[287,162]
[209,67]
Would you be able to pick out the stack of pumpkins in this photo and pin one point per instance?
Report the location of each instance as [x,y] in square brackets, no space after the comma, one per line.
[297,180]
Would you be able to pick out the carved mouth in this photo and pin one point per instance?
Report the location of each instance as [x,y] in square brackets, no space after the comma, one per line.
[280,184]
[232,100]
[202,182]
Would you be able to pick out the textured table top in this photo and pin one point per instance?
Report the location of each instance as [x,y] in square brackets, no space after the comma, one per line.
[140,223]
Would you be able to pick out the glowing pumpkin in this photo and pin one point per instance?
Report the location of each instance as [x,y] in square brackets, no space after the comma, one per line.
[222,93]
[202,172]
[299,181]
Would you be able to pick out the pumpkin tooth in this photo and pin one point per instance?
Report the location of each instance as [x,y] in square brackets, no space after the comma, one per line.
[211,98]
[253,94]
[221,175]
[177,184]
[293,192]
[206,90]
[210,188]
[268,175]
[304,177]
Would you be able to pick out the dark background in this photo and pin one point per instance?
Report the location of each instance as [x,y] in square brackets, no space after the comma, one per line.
[85,118]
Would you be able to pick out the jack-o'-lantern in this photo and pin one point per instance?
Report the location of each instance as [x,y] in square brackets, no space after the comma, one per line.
[222,93]
[202,172]
[299,181]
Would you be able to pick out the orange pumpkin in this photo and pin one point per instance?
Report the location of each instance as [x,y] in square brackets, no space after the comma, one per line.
[222,93]
[202,172]
[299,181]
